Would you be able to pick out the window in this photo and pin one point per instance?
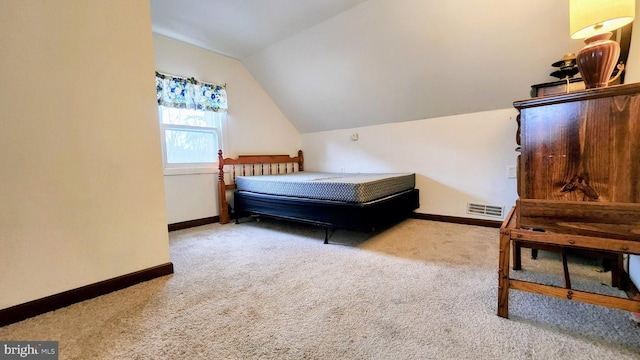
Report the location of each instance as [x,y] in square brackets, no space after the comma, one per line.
[192,116]
[190,138]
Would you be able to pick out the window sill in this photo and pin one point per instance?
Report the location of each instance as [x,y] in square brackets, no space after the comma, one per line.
[189,171]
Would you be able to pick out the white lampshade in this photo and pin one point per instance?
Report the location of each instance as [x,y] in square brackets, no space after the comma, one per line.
[592,17]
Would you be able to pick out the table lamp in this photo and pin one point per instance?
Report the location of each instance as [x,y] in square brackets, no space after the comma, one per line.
[594,21]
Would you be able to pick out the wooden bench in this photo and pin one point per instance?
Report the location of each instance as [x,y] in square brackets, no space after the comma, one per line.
[511,233]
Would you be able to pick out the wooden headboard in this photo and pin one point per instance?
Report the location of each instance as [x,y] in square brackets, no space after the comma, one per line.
[250,165]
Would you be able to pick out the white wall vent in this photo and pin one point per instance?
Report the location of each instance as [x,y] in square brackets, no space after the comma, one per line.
[483,209]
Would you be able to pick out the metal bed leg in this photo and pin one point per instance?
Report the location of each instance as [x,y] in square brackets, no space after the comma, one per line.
[326,234]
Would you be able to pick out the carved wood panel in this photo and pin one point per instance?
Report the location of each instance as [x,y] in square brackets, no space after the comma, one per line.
[586,150]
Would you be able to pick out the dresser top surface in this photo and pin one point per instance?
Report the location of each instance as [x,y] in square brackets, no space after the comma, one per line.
[615,90]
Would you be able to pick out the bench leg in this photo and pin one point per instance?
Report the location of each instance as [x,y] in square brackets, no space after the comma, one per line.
[503,274]
[617,273]
[565,268]
[517,256]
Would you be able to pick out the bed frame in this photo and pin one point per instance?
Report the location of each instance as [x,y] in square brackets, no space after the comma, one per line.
[250,165]
[326,213]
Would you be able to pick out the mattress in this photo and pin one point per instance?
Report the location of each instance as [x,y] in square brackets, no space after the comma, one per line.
[347,187]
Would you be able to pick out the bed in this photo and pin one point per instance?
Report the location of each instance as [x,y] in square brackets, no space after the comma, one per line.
[277,186]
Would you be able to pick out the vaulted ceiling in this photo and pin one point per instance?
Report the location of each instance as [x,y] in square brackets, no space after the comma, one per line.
[337,64]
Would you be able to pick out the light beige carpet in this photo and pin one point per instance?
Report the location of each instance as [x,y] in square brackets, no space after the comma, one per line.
[272,290]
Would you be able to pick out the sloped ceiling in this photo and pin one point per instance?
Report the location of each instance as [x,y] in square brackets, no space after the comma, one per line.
[337,64]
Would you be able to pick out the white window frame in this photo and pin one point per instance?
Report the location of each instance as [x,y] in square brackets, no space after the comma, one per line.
[191,168]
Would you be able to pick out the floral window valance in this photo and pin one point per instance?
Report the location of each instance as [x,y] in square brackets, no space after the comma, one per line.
[183,93]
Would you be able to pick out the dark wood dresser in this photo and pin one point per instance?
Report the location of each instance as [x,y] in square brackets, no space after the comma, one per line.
[578,183]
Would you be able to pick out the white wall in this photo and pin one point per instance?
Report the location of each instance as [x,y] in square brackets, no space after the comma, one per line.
[633,62]
[457,159]
[81,192]
[633,76]
[255,125]
[386,61]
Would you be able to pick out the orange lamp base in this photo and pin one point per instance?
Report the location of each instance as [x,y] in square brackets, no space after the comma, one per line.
[597,60]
